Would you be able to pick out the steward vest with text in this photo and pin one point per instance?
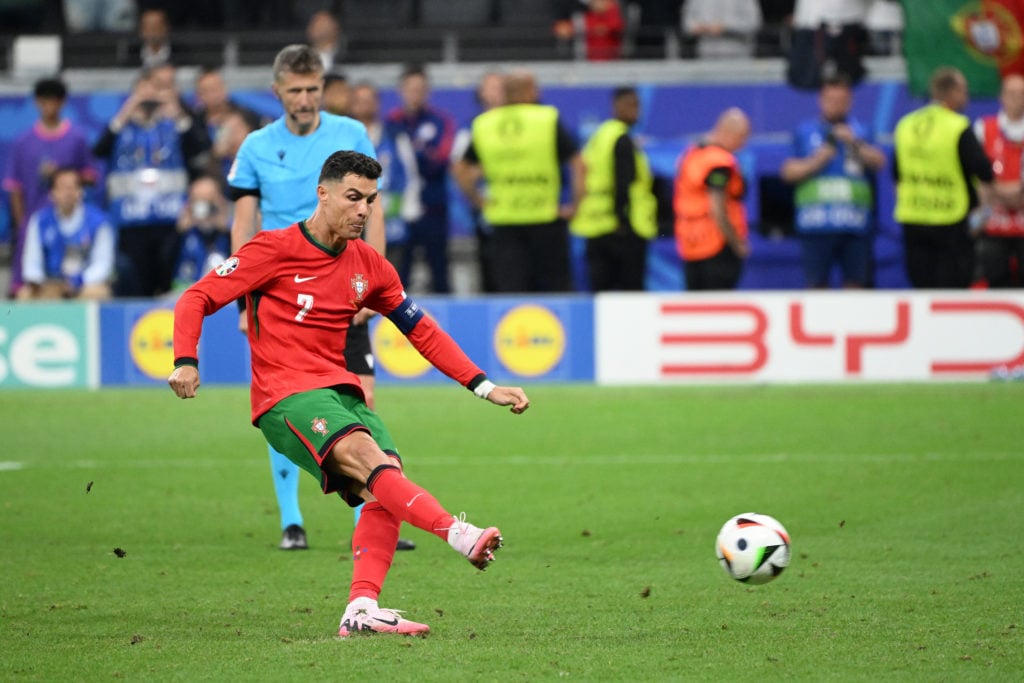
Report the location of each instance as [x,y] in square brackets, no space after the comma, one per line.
[596,214]
[931,189]
[517,146]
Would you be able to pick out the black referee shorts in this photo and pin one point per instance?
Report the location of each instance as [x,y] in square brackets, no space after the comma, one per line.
[358,354]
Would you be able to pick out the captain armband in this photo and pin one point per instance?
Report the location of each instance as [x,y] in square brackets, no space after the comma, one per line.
[406,315]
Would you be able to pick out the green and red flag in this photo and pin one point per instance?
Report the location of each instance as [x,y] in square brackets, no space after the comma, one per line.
[982,38]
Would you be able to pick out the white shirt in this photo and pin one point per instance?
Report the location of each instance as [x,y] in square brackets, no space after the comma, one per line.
[1013,130]
[814,13]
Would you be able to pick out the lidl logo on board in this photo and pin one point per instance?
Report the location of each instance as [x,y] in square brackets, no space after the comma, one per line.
[151,343]
[395,352]
[529,340]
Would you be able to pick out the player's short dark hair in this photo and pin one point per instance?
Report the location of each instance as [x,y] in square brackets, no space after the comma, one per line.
[51,88]
[297,59]
[343,162]
[623,91]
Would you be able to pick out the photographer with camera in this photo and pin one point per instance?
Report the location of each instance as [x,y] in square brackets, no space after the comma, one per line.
[833,167]
[152,147]
[205,229]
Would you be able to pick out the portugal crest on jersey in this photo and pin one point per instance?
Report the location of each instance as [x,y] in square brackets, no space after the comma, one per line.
[320,425]
[359,287]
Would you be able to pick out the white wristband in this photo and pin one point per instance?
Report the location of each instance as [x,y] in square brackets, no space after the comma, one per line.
[483,390]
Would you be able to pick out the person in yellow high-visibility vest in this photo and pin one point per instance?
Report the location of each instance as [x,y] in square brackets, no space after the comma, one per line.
[518,151]
[937,158]
[619,212]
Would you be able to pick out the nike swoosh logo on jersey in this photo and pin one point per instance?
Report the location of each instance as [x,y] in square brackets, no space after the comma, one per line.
[304,279]
[409,504]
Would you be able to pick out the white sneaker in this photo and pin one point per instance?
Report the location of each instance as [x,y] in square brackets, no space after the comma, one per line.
[363,616]
[476,544]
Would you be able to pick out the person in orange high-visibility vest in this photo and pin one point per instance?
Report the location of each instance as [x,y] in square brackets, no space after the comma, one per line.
[711,222]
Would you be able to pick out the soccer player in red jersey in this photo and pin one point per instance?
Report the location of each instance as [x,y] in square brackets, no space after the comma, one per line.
[303,285]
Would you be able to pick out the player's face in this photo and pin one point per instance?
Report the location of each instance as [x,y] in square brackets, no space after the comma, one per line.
[300,96]
[347,204]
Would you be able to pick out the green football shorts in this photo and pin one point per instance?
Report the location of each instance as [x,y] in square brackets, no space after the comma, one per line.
[306,426]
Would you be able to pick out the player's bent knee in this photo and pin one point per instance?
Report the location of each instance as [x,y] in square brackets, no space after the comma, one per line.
[357,455]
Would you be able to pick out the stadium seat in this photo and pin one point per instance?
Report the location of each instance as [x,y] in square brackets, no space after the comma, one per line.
[379,14]
[444,13]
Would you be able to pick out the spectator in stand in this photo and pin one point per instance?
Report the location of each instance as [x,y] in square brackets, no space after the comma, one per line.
[828,38]
[999,249]
[53,142]
[603,30]
[884,23]
[205,229]
[99,15]
[323,32]
[230,135]
[337,95]
[197,142]
[490,93]
[146,146]
[711,221]
[564,27]
[518,150]
[155,45]
[400,199]
[833,167]
[214,104]
[937,160]
[619,212]
[432,133]
[657,20]
[69,245]
[723,28]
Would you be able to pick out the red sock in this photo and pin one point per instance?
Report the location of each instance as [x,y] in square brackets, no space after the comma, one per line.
[373,547]
[409,502]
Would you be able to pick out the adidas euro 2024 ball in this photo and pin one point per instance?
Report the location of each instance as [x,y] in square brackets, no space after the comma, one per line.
[753,548]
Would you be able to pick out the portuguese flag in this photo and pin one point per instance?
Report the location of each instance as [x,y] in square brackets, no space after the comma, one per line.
[982,38]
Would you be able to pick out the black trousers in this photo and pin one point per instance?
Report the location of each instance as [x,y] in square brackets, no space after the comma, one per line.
[999,261]
[721,271]
[617,262]
[146,256]
[531,258]
[938,256]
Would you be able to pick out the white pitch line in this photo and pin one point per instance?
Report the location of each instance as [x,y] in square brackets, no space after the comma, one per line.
[553,460]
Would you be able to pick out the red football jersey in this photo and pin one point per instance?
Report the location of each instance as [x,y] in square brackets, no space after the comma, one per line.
[301,297]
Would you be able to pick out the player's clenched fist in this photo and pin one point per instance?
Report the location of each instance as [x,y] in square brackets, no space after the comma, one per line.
[509,396]
[184,381]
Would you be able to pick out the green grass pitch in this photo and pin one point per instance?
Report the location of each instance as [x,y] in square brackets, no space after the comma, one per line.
[904,503]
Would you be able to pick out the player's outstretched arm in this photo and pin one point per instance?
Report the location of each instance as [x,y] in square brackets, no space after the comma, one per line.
[184,381]
[509,396]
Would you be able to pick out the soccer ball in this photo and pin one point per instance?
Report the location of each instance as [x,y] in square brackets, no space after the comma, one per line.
[753,548]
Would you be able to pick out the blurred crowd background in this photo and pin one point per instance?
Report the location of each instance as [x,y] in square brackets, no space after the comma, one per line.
[195,76]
